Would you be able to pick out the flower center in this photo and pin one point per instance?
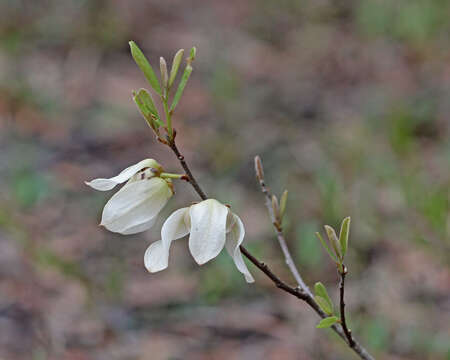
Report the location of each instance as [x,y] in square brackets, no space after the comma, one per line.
[145,174]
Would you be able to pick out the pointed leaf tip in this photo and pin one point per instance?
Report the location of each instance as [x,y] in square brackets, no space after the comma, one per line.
[259,168]
[193,53]
[145,66]
[164,73]
[175,66]
[333,239]
[344,234]
[275,207]
[184,79]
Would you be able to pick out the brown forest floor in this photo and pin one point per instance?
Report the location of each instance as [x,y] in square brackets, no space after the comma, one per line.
[348,104]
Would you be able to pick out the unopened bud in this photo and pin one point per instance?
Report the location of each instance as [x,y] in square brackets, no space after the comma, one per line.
[259,168]
[164,74]
[275,207]
[333,239]
[192,55]
[175,66]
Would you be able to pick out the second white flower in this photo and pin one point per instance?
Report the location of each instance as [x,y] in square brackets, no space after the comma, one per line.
[211,226]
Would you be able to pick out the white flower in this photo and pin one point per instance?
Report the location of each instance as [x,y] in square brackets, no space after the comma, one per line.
[211,226]
[134,208]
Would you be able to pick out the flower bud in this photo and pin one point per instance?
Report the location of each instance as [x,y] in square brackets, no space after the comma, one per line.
[164,75]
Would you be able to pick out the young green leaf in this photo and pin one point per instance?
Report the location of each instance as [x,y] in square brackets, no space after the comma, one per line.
[324,305]
[145,104]
[145,66]
[343,235]
[325,246]
[283,202]
[332,237]
[275,207]
[192,53]
[327,322]
[164,73]
[146,98]
[321,292]
[175,66]
[184,79]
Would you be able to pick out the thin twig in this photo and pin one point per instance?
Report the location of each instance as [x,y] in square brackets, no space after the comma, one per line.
[295,291]
[302,295]
[191,179]
[278,227]
[347,331]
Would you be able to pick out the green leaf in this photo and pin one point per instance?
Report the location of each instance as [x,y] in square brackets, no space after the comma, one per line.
[145,66]
[324,305]
[332,237]
[164,74]
[325,246]
[193,53]
[321,292]
[146,98]
[327,322]
[275,207]
[147,107]
[175,66]
[343,235]
[184,79]
[283,202]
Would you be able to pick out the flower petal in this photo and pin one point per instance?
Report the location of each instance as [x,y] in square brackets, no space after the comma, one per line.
[156,257]
[140,227]
[135,205]
[234,240]
[174,227]
[107,184]
[208,220]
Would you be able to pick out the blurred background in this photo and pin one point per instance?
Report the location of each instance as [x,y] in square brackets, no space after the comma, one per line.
[347,102]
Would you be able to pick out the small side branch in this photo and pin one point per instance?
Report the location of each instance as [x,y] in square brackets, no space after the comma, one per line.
[298,292]
[347,331]
[278,227]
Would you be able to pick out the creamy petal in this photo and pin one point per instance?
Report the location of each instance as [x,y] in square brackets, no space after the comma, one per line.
[208,220]
[140,227]
[135,204]
[107,184]
[156,257]
[174,227]
[234,239]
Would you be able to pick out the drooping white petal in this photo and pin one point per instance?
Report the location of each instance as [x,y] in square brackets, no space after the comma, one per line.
[208,220]
[107,184]
[234,240]
[156,257]
[135,205]
[175,227]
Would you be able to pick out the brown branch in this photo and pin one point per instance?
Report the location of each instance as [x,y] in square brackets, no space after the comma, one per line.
[191,179]
[295,291]
[302,295]
[347,331]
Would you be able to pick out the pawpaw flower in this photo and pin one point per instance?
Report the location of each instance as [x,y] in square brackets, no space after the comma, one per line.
[211,225]
[135,207]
